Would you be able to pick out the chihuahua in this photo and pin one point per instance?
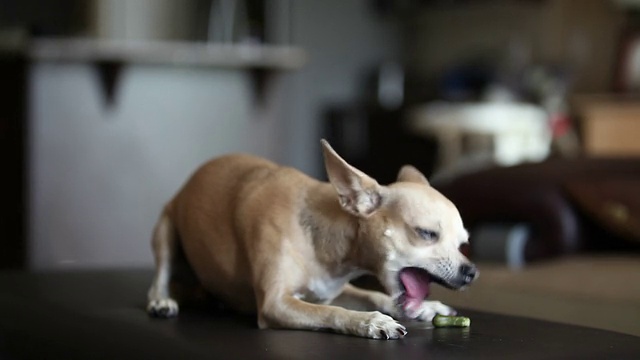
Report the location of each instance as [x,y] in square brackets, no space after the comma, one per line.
[270,240]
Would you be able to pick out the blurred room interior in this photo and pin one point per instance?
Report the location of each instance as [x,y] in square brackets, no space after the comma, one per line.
[524,112]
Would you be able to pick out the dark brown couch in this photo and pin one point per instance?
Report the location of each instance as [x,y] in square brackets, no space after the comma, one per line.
[571,205]
[583,255]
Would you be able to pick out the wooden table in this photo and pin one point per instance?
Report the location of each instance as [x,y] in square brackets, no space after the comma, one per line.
[100,315]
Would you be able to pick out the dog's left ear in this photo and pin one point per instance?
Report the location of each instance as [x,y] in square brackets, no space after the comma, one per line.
[409,173]
[358,193]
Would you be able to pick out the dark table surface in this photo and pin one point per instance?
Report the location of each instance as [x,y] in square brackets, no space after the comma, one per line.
[100,315]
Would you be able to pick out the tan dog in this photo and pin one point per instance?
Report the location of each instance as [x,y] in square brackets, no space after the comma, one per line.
[269,239]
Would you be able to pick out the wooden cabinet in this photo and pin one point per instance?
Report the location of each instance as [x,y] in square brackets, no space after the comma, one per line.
[12,157]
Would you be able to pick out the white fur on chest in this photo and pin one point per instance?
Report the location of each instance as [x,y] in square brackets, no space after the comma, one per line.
[322,289]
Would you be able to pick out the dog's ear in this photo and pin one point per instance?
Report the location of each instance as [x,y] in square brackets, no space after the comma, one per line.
[409,173]
[358,193]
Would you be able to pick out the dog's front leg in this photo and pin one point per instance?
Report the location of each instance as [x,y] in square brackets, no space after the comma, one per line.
[357,298]
[353,297]
[292,313]
[428,309]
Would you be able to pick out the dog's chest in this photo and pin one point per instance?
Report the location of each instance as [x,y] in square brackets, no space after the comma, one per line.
[322,288]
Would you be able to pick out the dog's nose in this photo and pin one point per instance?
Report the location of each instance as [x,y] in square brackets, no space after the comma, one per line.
[468,273]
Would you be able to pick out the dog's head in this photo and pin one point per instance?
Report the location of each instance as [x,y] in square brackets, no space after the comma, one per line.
[409,235]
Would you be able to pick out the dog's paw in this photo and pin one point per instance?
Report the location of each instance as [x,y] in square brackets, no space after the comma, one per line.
[162,308]
[379,326]
[428,309]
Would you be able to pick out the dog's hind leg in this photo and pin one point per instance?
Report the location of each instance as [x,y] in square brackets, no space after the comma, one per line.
[164,244]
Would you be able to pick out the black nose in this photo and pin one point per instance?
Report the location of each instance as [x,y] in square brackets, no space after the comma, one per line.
[468,272]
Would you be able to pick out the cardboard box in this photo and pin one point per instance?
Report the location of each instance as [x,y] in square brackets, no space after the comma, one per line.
[610,125]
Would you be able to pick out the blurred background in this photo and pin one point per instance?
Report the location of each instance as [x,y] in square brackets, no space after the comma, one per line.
[524,112]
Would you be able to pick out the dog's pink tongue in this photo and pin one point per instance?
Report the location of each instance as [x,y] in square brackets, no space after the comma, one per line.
[416,285]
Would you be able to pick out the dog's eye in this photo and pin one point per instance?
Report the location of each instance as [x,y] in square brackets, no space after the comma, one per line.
[427,234]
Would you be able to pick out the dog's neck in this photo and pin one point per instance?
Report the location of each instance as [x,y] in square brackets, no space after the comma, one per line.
[331,229]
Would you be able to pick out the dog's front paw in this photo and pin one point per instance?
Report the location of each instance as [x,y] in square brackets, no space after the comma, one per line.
[379,326]
[428,309]
[162,308]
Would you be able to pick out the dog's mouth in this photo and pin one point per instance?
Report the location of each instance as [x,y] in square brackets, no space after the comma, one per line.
[415,283]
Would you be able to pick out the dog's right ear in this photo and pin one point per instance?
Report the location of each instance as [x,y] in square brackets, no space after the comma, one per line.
[358,193]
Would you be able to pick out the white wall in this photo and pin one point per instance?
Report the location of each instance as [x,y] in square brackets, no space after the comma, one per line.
[344,40]
[99,176]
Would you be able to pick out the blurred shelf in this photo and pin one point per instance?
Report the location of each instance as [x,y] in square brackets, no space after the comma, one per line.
[268,57]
